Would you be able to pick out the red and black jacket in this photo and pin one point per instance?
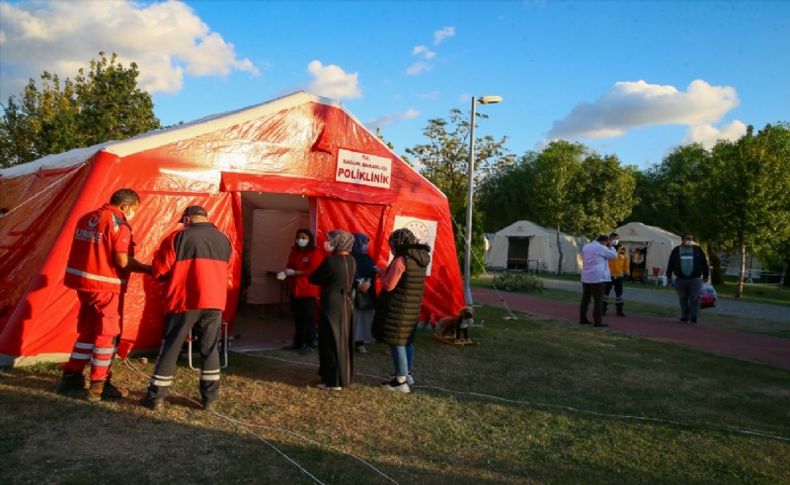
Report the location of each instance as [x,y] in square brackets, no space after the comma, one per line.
[194,262]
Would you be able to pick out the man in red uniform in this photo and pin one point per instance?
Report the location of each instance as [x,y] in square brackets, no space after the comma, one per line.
[100,261]
[194,263]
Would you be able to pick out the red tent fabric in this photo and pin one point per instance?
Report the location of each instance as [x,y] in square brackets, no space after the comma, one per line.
[300,144]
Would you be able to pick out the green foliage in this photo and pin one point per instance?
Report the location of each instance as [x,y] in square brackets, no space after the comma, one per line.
[563,186]
[669,194]
[101,104]
[518,282]
[748,184]
[444,160]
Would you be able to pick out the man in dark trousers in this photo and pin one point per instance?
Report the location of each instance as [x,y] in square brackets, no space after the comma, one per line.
[689,263]
[194,263]
[595,275]
[99,266]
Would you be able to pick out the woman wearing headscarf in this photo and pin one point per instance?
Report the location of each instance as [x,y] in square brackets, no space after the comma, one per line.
[364,293]
[398,307]
[303,259]
[335,276]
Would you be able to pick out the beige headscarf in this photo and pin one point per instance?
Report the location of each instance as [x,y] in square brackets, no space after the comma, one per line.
[341,240]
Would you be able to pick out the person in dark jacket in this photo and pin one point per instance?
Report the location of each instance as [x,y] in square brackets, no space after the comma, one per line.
[364,293]
[398,307]
[335,276]
[194,264]
[689,263]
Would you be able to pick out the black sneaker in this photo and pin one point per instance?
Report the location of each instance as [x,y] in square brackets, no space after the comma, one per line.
[600,325]
[585,322]
[620,314]
[684,319]
[693,321]
[152,403]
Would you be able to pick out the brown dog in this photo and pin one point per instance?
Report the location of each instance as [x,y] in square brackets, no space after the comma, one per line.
[457,325]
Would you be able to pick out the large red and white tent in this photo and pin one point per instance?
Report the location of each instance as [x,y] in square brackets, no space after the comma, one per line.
[299,146]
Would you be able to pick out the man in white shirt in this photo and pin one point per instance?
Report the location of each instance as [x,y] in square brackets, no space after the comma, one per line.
[595,275]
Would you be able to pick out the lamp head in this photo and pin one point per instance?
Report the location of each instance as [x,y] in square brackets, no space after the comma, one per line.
[489,99]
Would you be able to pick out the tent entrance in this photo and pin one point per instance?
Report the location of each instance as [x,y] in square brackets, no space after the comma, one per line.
[270,223]
[518,253]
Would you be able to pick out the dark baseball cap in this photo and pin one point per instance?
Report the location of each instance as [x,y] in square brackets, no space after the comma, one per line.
[194,210]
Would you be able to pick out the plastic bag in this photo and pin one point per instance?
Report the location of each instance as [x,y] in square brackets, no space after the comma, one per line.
[707,296]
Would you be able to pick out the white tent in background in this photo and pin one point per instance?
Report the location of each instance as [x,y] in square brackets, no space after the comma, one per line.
[659,244]
[526,245]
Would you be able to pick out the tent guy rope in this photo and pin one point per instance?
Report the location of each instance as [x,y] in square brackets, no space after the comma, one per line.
[707,426]
[511,315]
[247,427]
[57,181]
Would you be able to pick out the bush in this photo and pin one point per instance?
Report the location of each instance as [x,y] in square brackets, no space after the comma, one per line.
[518,282]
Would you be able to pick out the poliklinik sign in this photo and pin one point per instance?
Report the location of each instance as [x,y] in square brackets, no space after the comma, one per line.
[363,169]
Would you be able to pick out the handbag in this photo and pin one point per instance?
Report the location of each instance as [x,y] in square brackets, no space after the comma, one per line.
[363,301]
[707,296]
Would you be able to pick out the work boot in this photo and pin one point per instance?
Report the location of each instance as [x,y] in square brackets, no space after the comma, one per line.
[208,404]
[95,391]
[72,384]
[152,403]
[113,393]
[620,311]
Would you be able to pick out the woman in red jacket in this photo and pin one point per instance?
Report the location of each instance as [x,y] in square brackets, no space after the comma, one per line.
[302,260]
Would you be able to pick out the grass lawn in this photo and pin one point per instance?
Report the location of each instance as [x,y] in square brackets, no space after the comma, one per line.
[429,436]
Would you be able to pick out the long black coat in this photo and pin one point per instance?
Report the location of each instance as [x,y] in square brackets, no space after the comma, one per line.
[335,276]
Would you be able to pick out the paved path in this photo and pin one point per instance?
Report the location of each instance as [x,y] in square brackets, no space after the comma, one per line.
[725,306]
[773,350]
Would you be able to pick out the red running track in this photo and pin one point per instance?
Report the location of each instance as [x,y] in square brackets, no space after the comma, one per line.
[773,350]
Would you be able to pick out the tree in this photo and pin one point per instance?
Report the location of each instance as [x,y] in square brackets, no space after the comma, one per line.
[748,187]
[504,196]
[669,193]
[380,136]
[554,172]
[605,192]
[444,160]
[101,104]
[565,187]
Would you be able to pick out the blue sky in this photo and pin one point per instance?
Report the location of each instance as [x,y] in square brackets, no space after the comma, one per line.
[631,78]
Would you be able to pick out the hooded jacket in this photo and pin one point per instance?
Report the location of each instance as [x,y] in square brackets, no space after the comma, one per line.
[397,311]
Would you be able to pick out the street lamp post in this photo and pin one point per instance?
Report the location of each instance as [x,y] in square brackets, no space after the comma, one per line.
[470,194]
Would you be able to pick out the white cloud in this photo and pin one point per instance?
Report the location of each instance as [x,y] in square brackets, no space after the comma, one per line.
[423,52]
[632,104]
[418,67]
[164,39]
[385,120]
[425,56]
[443,34]
[333,82]
[708,135]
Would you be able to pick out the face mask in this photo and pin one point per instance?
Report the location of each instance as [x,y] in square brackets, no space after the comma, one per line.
[302,242]
[328,247]
[130,215]
[363,248]
[615,242]
[688,242]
